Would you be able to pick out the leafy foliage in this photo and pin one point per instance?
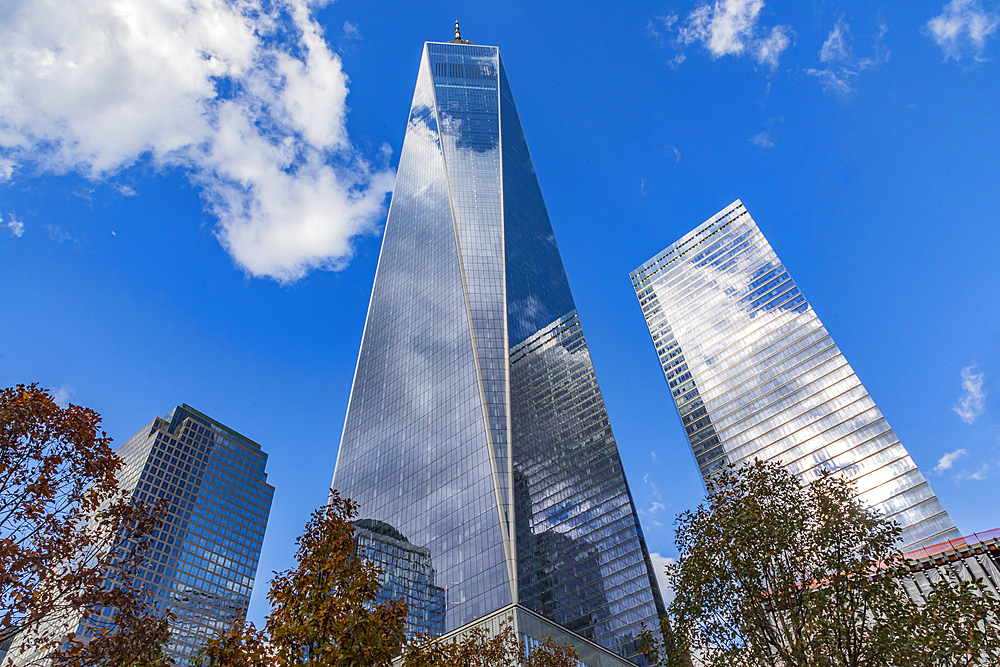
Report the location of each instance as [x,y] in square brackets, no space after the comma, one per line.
[773,573]
[242,645]
[324,613]
[69,537]
[958,626]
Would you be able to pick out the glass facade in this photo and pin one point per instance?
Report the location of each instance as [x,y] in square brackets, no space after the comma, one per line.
[476,426]
[202,562]
[407,573]
[754,374]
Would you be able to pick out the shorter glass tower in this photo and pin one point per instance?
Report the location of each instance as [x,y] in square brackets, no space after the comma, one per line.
[754,373]
[407,575]
[202,562]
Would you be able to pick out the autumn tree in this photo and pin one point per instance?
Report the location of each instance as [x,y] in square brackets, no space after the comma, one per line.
[957,626]
[775,573]
[325,612]
[69,536]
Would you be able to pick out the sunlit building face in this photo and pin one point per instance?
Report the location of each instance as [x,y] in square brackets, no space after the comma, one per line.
[753,373]
[476,427]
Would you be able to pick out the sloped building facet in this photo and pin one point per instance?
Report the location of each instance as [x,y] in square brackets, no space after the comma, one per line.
[753,373]
[476,426]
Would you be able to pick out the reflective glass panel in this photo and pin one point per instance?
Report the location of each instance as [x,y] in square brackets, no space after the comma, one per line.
[754,373]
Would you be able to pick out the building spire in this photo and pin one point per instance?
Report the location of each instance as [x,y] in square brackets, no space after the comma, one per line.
[458,36]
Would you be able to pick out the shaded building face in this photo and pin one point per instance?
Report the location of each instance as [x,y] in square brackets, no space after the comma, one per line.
[202,562]
[474,372]
[753,373]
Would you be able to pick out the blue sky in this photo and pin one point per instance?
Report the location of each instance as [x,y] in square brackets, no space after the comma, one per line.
[191,205]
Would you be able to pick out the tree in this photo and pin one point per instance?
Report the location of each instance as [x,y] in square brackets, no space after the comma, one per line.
[241,645]
[957,626]
[325,613]
[774,573]
[69,536]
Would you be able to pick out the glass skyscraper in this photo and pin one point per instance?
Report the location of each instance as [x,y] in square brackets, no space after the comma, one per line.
[754,373]
[202,561]
[476,426]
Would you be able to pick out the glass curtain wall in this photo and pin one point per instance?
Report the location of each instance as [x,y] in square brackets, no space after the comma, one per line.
[476,426]
[753,373]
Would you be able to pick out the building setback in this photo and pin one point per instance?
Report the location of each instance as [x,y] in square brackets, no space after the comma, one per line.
[975,558]
[753,373]
[476,426]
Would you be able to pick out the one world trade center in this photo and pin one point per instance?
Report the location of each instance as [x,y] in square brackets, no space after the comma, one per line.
[476,428]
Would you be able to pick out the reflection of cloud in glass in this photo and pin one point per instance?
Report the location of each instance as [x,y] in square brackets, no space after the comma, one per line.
[470,284]
[413,448]
[755,374]
[570,491]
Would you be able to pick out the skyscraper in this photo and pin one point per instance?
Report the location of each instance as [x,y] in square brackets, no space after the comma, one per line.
[754,373]
[202,561]
[476,426]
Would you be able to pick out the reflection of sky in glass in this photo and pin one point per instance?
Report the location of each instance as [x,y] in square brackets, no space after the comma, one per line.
[467,101]
[469,270]
[582,560]
[414,451]
[754,373]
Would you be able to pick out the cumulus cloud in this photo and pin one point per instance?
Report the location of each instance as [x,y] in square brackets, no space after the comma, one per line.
[962,28]
[948,460]
[660,564]
[842,65]
[63,395]
[15,226]
[245,97]
[729,28]
[972,402]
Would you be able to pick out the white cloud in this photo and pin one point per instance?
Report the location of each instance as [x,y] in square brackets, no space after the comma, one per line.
[948,460]
[977,476]
[972,403]
[244,96]
[15,226]
[660,564]
[763,139]
[351,31]
[962,28]
[58,234]
[63,395]
[842,65]
[677,153]
[732,28]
